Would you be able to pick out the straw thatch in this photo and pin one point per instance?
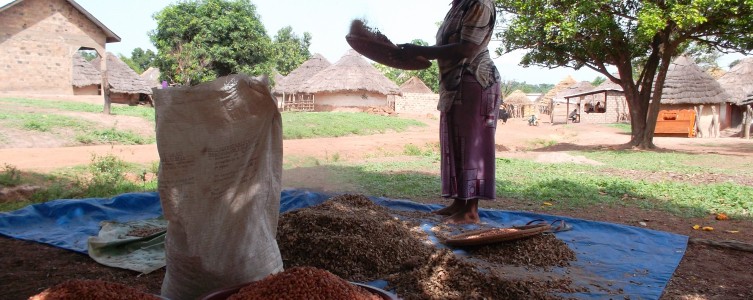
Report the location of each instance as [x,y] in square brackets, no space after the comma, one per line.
[415,85]
[293,83]
[686,83]
[517,97]
[84,74]
[547,98]
[351,73]
[747,100]
[738,82]
[573,89]
[151,76]
[123,79]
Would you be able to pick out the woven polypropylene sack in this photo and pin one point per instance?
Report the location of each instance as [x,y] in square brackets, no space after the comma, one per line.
[220,148]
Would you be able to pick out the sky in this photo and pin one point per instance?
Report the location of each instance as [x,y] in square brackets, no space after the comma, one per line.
[328,22]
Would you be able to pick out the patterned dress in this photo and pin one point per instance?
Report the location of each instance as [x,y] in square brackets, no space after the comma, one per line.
[469,103]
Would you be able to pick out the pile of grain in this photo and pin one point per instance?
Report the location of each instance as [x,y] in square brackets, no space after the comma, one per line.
[92,290]
[303,283]
[351,237]
[360,241]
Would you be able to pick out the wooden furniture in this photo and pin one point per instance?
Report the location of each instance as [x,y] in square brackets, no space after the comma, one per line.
[676,122]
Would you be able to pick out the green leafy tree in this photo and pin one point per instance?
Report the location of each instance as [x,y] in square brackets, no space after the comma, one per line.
[601,33]
[140,60]
[598,81]
[200,40]
[290,50]
[430,75]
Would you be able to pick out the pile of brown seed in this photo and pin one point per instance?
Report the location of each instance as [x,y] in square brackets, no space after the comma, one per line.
[303,283]
[351,237]
[543,250]
[360,241]
[92,290]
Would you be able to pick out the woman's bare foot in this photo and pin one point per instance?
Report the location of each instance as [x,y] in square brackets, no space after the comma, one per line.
[456,206]
[468,214]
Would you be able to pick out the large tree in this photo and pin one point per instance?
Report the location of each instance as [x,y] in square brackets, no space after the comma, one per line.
[200,40]
[140,60]
[600,33]
[290,50]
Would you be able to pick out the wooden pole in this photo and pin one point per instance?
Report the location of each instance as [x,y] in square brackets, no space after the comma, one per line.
[748,121]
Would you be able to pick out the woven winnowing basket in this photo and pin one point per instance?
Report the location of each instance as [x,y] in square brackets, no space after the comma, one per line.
[377,47]
[496,235]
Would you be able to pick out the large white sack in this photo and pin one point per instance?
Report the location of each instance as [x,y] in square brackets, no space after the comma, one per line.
[220,148]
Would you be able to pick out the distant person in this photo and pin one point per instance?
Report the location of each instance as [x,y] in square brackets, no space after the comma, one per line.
[504,115]
[469,96]
[573,115]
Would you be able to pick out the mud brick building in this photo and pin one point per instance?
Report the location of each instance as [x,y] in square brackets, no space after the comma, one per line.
[38,40]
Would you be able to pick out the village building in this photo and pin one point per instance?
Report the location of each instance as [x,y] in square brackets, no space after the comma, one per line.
[86,79]
[352,82]
[38,39]
[151,77]
[125,86]
[289,89]
[416,98]
[604,104]
[738,83]
[519,105]
[544,102]
[693,103]
[562,106]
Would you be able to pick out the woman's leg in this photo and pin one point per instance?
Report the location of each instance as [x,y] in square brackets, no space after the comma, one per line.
[456,205]
[467,214]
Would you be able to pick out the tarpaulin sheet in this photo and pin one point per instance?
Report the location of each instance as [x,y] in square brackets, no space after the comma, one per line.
[635,262]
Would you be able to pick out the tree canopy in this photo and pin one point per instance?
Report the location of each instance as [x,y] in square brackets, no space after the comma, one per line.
[200,40]
[140,60]
[290,50]
[600,33]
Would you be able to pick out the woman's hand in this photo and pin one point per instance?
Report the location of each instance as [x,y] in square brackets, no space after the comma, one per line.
[409,50]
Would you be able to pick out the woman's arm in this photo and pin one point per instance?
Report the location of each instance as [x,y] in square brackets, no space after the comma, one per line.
[459,50]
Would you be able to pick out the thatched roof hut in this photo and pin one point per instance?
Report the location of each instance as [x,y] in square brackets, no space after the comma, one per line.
[351,73]
[151,76]
[686,83]
[123,79]
[573,89]
[84,73]
[415,85]
[738,82]
[517,97]
[293,83]
[547,98]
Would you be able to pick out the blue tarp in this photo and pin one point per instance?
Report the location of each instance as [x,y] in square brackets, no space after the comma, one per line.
[610,257]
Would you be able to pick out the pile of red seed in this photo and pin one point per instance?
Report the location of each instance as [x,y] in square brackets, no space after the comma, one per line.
[303,283]
[92,290]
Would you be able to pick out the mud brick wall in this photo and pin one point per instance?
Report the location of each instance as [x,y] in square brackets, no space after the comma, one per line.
[37,42]
[418,104]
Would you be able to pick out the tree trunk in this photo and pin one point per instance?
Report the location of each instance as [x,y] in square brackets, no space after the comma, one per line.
[748,121]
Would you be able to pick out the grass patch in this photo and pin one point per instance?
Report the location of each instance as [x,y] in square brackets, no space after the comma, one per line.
[144,112]
[624,127]
[86,132]
[540,143]
[103,177]
[302,125]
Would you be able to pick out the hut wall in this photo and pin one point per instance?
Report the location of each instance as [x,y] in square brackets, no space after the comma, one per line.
[705,117]
[615,110]
[325,101]
[420,104]
[38,39]
[86,90]
[130,99]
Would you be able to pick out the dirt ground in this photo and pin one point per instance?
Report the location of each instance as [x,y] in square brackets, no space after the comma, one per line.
[706,272]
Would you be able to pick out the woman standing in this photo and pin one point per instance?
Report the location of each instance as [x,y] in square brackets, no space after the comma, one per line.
[468,104]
